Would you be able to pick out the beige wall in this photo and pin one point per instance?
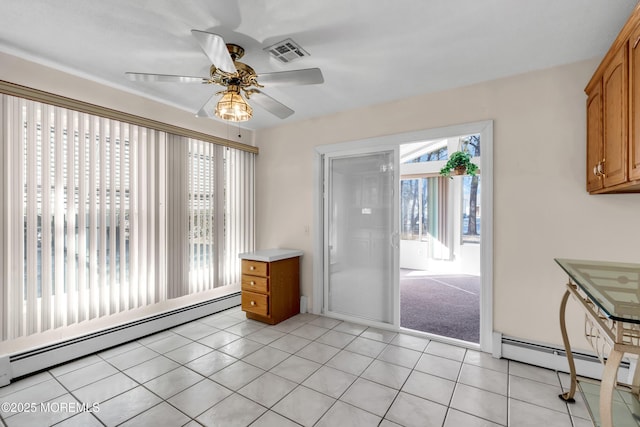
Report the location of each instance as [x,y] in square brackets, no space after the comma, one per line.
[541,208]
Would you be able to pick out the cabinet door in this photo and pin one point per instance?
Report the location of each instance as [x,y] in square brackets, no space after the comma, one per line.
[594,137]
[634,104]
[615,100]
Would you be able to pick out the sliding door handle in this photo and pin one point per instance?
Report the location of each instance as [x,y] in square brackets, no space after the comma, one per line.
[394,241]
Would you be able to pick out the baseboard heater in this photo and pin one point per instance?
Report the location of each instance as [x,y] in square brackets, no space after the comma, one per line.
[587,364]
[42,358]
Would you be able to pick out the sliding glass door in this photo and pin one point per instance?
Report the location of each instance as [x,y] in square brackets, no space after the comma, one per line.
[358,195]
[360,224]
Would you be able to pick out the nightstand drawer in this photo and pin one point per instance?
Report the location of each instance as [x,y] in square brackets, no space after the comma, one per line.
[255,303]
[255,283]
[255,268]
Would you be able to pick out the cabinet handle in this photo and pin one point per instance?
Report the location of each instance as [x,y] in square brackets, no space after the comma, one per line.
[252,283]
[252,268]
[601,167]
[253,303]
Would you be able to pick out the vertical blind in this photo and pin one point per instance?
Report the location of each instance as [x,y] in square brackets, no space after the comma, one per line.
[91,207]
[238,211]
[219,216]
[202,200]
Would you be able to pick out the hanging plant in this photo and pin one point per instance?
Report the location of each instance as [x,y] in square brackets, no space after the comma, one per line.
[459,163]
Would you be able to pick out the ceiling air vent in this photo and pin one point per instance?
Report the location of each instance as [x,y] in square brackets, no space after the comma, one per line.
[286,51]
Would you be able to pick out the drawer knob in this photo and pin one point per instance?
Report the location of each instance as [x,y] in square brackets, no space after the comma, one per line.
[253,303]
[252,268]
[252,283]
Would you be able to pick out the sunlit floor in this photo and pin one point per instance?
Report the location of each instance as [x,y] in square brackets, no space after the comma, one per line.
[308,370]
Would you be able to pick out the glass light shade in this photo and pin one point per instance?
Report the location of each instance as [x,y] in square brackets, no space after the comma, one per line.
[232,107]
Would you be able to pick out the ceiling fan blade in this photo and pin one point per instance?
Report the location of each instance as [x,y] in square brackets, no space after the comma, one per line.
[271,105]
[208,107]
[216,50]
[309,76]
[146,77]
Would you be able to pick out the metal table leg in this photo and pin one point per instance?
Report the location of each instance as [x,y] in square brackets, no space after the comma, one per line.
[568,396]
[608,384]
[635,383]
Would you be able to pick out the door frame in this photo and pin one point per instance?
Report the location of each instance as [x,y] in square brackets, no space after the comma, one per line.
[485,129]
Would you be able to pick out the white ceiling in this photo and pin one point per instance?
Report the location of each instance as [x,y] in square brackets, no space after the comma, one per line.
[370,52]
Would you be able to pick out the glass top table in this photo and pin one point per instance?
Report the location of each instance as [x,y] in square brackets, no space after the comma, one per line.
[614,287]
[609,294]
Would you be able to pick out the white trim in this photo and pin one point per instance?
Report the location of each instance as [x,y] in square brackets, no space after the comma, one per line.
[497,345]
[547,356]
[35,360]
[318,235]
[4,215]
[395,237]
[325,235]
[486,242]
[5,370]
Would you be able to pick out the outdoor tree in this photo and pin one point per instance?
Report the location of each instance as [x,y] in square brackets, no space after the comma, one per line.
[473,147]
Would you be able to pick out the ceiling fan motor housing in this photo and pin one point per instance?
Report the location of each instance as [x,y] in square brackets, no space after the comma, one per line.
[235,51]
[243,78]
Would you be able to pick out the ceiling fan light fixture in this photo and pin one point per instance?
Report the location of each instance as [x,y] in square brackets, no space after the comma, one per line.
[232,107]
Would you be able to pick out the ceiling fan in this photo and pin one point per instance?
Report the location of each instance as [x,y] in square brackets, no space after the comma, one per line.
[237,77]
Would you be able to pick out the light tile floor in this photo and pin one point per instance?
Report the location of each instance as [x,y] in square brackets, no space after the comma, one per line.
[225,370]
[625,407]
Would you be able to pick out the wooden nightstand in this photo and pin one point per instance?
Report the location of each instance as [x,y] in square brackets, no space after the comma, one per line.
[271,284]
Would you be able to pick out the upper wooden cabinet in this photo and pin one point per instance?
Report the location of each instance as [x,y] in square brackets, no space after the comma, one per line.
[615,111]
[594,137]
[634,104]
[613,116]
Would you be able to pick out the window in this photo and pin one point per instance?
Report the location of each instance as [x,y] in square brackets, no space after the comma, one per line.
[202,203]
[441,153]
[471,216]
[423,210]
[471,188]
[425,151]
[221,218]
[414,210]
[100,216]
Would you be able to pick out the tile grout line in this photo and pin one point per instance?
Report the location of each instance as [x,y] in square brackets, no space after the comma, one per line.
[75,397]
[246,336]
